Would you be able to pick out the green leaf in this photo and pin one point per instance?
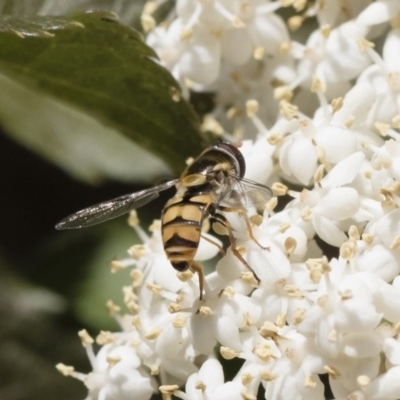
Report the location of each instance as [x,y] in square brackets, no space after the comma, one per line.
[94,69]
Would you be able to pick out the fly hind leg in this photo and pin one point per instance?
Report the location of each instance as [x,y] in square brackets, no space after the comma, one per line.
[225,224]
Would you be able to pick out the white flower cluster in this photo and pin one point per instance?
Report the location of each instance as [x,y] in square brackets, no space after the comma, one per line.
[326,115]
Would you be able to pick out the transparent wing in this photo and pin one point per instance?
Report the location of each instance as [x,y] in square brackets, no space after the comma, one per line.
[112,208]
[241,192]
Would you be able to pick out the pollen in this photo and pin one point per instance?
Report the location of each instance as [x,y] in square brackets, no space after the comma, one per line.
[228,353]
[205,311]
[290,246]
[248,277]
[86,339]
[348,249]
[288,111]
[148,22]
[112,361]
[332,336]
[137,278]
[309,382]
[363,380]
[179,321]
[185,276]
[298,315]
[154,370]
[268,330]
[174,308]
[200,385]
[332,371]
[368,238]
[210,124]
[395,243]
[168,389]
[267,375]
[281,320]
[259,53]
[396,121]
[137,251]
[66,370]
[116,266]
[247,396]
[133,307]
[295,22]
[247,378]
[317,86]
[155,226]
[229,292]
[251,108]
[279,189]
[153,333]
[364,45]
[337,104]
[354,233]
[263,352]
[105,337]
[348,123]
[133,219]
[129,295]
[156,289]
[112,308]
[299,5]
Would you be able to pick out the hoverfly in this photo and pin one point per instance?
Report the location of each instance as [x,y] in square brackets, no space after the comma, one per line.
[213,183]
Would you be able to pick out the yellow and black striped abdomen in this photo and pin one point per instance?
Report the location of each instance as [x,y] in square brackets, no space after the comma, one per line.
[181,228]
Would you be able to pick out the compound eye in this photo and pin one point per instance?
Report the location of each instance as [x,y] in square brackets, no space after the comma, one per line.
[181,266]
[236,154]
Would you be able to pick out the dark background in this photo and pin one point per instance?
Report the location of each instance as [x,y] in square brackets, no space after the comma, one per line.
[34,196]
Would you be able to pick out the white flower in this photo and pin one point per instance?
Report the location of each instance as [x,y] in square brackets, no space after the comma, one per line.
[384,76]
[324,118]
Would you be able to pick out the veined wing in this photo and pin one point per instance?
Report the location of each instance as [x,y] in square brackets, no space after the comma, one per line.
[112,208]
[244,192]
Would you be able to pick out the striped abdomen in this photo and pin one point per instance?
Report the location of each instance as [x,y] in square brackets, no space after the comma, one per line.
[182,219]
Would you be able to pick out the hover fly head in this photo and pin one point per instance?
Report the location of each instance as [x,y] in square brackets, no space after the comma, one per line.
[234,153]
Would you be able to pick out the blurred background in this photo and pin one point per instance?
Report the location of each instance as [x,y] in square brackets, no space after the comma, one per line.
[54,283]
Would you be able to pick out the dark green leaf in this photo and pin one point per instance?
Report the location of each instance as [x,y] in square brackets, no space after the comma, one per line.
[102,69]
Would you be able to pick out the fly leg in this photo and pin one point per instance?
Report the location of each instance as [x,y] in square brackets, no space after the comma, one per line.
[198,268]
[225,224]
[243,213]
[221,250]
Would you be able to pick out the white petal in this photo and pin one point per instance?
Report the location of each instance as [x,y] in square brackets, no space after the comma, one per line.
[388,227]
[385,386]
[200,62]
[380,261]
[211,374]
[228,391]
[299,159]
[207,250]
[328,231]
[378,12]
[227,333]
[339,204]
[361,345]
[356,103]
[202,333]
[344,172]
[236,46]
[338,143]
[390,51]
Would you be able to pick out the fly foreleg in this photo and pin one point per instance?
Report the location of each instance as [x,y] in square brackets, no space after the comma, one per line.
[243,213]
[225,224]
